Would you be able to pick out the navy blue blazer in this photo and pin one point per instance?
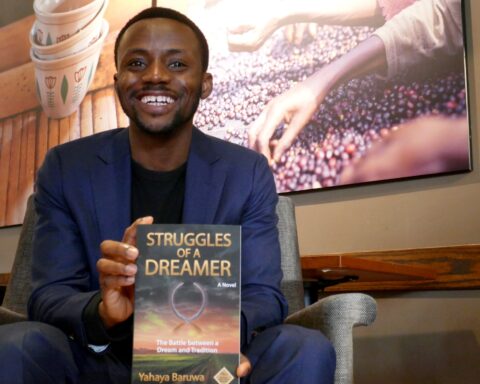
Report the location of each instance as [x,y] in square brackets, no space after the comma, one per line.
[83,197]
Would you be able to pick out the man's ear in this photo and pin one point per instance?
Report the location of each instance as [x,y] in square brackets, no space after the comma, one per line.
[207,85]
[115,82]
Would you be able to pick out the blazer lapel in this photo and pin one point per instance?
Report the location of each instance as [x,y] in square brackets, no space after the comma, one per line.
[111,183]
[205,179]
[111,179]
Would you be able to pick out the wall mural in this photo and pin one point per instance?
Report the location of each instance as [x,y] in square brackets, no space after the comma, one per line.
[332,93]
[343,92]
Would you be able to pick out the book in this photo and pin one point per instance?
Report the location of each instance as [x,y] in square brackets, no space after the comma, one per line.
[187,304]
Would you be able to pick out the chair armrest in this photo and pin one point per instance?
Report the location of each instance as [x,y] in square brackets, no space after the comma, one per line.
[7,316]
[335,311]
[335,316]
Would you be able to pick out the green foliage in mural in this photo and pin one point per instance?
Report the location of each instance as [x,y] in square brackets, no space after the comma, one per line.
[64,89]
[37,88]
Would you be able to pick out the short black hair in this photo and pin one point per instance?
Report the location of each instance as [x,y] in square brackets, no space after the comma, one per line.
[167,13]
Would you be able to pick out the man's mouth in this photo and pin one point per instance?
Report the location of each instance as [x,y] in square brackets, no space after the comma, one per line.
[157,100]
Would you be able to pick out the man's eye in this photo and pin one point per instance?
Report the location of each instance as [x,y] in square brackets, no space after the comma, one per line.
[176,65]
[135,63]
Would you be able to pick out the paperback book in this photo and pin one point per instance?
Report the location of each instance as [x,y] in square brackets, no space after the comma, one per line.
[187,304]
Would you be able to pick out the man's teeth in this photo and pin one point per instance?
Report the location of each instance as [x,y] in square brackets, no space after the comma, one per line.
[157,100]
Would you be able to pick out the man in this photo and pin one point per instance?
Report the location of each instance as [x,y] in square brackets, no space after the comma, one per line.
[160,169]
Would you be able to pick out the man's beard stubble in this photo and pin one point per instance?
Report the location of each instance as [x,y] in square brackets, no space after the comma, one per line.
[166,130]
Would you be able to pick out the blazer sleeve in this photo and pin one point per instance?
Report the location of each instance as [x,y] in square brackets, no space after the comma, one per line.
[61,273]
[263,304]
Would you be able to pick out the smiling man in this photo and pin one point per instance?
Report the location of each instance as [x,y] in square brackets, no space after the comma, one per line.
[92,193]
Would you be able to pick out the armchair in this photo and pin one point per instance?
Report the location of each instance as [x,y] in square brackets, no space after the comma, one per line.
[14,305]
[334,315]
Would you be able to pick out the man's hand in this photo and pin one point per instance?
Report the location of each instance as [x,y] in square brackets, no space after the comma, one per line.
[244,367]
[117,270]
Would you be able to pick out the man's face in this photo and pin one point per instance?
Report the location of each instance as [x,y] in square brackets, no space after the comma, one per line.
[160,80]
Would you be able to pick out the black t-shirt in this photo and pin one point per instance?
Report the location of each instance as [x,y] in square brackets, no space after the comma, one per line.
[158,194]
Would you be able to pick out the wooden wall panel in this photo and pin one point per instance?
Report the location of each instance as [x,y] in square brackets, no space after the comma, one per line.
[122,118]
[26,138]
[14,167]
[64,130]
[111,109]
[22,169]
[86,116]
[100,111]
[27,163]
[30,133]
[74,122]
[42,139]
[6,139]
[53,132]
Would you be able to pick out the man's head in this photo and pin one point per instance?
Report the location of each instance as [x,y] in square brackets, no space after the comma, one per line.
[167,13]
[161,59]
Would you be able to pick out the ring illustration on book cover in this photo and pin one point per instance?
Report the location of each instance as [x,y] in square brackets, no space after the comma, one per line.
[196,315]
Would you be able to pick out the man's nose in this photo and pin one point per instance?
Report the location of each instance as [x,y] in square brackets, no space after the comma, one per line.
[157,72]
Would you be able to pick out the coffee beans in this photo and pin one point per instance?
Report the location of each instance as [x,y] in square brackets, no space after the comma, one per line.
[351,118]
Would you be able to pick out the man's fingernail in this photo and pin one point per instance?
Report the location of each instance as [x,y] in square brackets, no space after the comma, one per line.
[131,251]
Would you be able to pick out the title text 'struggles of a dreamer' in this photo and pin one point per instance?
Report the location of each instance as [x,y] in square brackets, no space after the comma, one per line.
[184,265]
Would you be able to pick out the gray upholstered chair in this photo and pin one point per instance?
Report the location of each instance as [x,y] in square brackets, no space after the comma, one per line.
[14,305]
[334,315]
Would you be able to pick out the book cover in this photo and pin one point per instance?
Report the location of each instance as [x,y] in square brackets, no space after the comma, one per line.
[187,304]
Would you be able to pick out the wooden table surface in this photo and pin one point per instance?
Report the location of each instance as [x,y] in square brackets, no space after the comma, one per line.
[337,266]
[4,277]
[454,267]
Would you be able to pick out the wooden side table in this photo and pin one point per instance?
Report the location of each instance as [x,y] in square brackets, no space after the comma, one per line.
[4,277]
[320,272]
